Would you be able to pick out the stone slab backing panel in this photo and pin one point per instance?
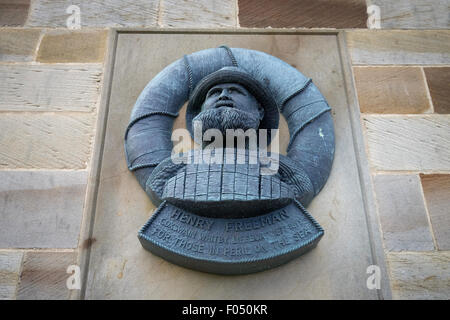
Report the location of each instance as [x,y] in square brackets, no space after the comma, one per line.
[120,266]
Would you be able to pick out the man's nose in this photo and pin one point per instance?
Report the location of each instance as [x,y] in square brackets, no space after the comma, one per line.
[224,95]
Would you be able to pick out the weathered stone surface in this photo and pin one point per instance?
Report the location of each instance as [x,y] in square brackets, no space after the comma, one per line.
[391,90]
[44,276]
[13,12]
[436,188]
[18,44]
[73,46]
[307,13]
[50,87]
[399,46]
[402,213]
[46,140]
[413,14]
[41,209]
[424,275]
[408,142]
[10,263]
[438,79]
[121,268]
[27,2]
[198,13]
[94,13]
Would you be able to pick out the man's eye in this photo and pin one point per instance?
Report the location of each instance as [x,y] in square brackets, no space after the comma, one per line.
[236,90]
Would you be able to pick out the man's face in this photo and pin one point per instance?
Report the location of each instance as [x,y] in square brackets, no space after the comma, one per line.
[231,95]
[230,106]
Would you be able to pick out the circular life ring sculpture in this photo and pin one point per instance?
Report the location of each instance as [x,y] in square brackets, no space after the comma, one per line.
[304,170]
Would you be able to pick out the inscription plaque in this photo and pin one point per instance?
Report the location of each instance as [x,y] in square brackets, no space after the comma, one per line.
[230,246]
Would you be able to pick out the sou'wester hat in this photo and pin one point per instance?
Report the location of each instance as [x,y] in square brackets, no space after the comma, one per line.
[233,75]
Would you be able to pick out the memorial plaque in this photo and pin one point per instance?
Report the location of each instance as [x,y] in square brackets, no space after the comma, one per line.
[120,268]
[235,97]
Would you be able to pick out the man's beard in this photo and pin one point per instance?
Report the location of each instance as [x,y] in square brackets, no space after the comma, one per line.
[224,118]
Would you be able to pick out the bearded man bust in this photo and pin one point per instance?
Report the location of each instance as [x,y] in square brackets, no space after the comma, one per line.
[239,180]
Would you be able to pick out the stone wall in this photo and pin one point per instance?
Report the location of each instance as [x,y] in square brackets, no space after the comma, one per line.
[50,89]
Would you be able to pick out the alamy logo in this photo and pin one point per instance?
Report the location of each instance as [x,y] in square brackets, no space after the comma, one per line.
[374,19]
[374,280]
[74,20]
[235,147]
[74,281]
